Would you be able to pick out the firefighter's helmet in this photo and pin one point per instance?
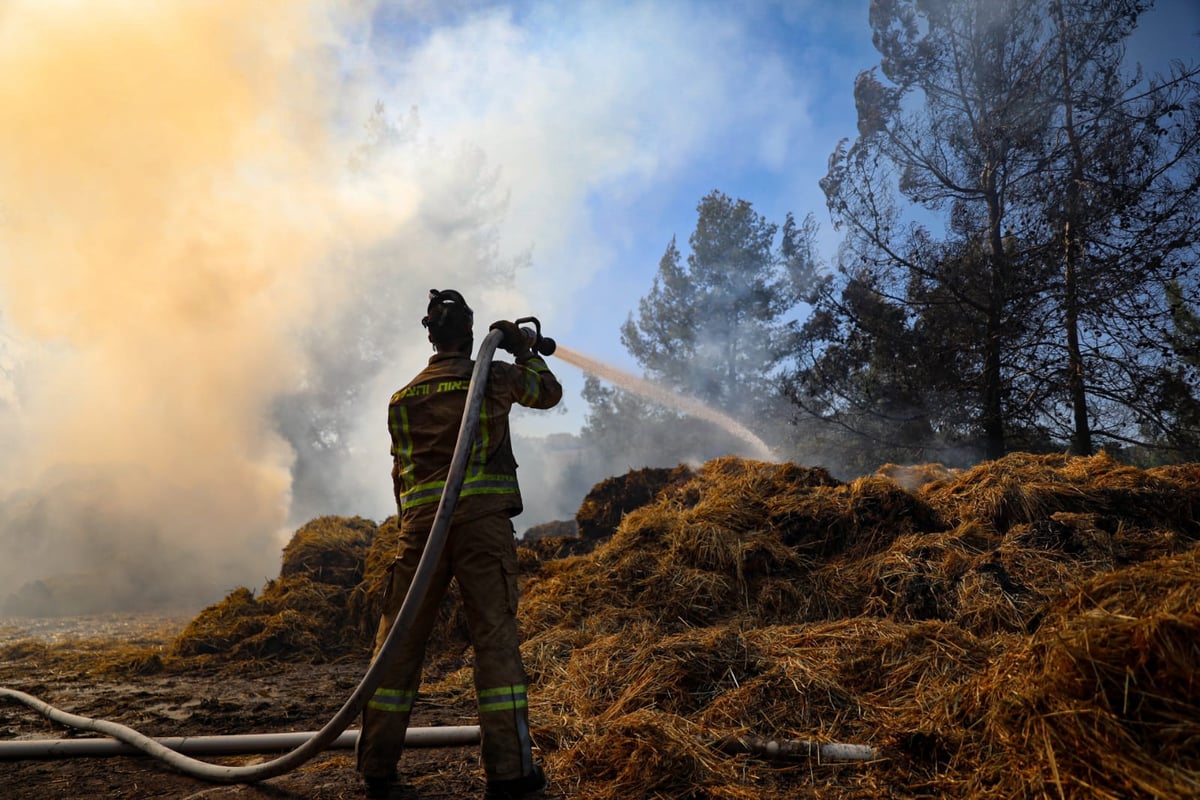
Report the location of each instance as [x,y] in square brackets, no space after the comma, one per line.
[448,318]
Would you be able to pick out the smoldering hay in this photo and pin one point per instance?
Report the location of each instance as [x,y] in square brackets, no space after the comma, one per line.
[1025,628]
[176,220]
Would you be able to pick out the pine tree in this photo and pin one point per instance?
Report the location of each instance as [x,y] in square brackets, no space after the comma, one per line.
[1068,197]
[717,326]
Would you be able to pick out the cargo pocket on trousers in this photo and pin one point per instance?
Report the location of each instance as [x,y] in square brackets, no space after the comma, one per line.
[508,565]
[389,580]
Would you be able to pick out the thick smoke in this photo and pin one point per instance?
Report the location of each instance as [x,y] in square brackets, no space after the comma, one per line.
[178,220]
[169,210]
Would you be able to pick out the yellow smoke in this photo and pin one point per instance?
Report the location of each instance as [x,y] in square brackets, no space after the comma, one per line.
[166,209]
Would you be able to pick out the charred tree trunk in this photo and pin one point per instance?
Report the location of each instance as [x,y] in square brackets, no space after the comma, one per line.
[993,376]
[1071,234]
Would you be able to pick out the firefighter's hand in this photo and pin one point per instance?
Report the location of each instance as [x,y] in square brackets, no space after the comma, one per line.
[514,341]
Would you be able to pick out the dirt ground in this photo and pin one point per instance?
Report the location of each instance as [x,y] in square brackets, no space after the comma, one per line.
[274,698]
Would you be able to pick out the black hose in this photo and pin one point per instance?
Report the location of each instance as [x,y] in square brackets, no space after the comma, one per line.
[370,681]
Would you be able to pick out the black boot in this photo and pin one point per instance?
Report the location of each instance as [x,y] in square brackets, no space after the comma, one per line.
[516,788]
[380,787]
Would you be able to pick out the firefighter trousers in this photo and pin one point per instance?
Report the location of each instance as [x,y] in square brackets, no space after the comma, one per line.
[481,555]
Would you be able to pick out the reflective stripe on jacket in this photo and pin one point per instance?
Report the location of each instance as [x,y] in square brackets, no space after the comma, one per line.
[424,419]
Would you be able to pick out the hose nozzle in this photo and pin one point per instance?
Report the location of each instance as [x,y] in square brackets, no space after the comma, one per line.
[543,345]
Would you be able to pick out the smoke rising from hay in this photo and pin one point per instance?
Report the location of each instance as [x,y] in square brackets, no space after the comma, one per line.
[171,204]
[127,181]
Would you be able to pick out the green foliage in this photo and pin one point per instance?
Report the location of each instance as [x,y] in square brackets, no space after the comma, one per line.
[1069,192]
[1171,417]
[714,326]
[1185,337]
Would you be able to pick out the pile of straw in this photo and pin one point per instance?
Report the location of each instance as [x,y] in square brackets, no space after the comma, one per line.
[1024,628]
[306,613]
[326,603]
[563,528]
[1103,699]
[613,498]
[1028,627]
[329,550]
[294,618]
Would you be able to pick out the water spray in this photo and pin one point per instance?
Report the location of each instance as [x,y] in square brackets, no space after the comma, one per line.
[657,394]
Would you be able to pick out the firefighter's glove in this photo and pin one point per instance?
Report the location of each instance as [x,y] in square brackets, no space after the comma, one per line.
[514,340]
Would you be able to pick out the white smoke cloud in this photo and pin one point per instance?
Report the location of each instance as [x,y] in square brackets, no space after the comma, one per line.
[598,102]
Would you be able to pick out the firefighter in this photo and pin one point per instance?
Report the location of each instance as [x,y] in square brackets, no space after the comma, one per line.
[480,551]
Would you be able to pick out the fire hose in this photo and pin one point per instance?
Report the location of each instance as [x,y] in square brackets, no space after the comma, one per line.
[171,751]
[325,737]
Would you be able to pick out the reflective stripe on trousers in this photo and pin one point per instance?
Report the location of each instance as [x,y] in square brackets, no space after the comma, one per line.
[502,698]
[510,699]
[392,700]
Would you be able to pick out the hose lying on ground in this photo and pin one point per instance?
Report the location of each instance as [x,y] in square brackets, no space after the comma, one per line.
[787,749]
[224,745]
[218,773]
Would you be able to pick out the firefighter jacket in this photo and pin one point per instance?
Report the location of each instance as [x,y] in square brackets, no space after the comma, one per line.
[424,418]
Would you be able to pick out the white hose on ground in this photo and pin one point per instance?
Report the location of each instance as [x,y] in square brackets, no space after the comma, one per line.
[224,745]
[218,773]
